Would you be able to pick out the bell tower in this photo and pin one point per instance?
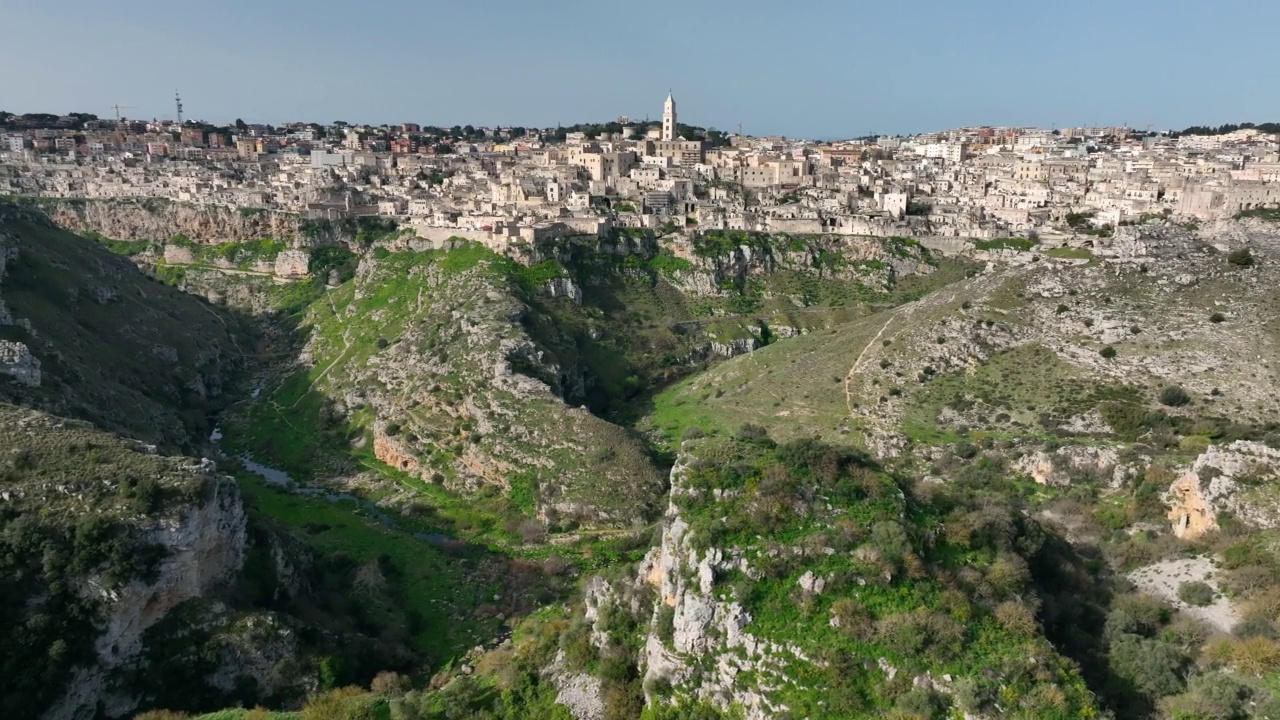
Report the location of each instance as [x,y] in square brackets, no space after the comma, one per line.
[669,119]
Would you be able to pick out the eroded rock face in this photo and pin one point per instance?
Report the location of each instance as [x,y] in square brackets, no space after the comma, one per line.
[393,453]
[1056,468]
[292,265]
[205,545]
[705,626]
[1191,514]
[179,255]
[17,362]
[160,221]
[1225,478]
[564,287]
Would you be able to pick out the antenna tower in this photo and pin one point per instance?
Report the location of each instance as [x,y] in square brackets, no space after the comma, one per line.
[177,99]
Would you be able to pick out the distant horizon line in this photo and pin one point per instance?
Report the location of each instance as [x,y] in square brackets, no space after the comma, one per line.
[559,126]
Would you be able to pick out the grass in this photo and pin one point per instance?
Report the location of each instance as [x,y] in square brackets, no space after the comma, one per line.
[792,387]
[430,579]
[1272,214]
[1009,243]
[1025,384]
[128,248]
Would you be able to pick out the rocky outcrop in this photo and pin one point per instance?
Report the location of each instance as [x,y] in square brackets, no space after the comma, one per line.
[1190,513]
[581,693]
[204,546]
[18,362]
[746,668]
[563,287]
[1228,478]
[734,348]
[292,265]
[179,255]
[1057,468]
[391,452]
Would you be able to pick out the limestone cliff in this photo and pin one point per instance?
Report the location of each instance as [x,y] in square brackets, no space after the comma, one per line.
[203,547]
[159,220]
[1238,478]
[704,625]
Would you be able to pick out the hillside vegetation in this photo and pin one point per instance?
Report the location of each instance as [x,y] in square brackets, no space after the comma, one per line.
[729,475]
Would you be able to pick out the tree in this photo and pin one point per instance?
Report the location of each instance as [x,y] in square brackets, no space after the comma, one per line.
[241,125]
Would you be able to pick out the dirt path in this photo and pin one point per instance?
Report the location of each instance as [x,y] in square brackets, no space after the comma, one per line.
[346,346]
[848,378]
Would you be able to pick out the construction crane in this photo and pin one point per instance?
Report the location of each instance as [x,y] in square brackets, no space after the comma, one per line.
[120,123]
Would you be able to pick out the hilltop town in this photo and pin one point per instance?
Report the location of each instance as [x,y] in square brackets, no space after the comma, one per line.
[501,186]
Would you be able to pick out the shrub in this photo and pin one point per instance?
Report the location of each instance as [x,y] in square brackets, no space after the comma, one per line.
[1017,618]
[1215,696]
[347,703]
[1174,396]
[923,703]
[890,539]
[1256,656]
[388,683]
[1217,318]
[921,633]
[1194,444]
[1241,258]
[1107,352]
[392,429]
[666,623]
[852,618]
[1255,626]
[693,432]
[1154,667]
[1195,593]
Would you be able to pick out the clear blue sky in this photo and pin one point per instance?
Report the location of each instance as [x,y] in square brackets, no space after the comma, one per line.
[811,68]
